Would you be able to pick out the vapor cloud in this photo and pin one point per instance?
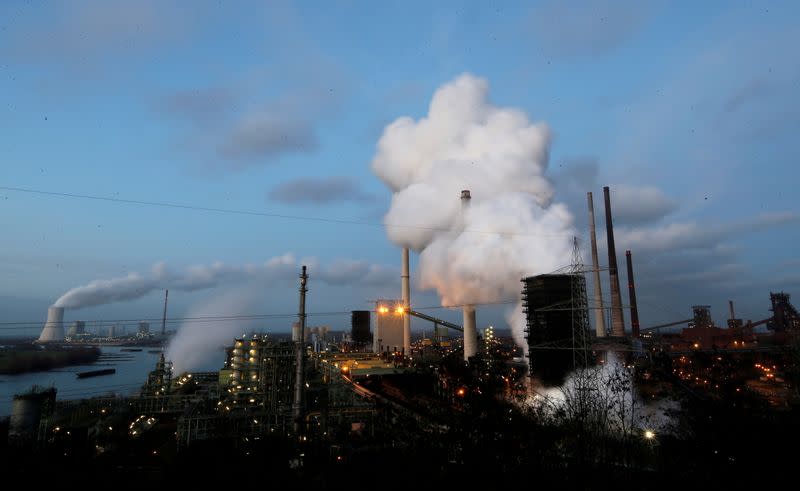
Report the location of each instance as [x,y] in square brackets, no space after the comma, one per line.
[586,28]
[319,190]
[203,277]
[512,227]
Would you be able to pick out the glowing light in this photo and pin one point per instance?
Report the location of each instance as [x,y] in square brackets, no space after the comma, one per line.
[649,434]
[400,310]
[383,309]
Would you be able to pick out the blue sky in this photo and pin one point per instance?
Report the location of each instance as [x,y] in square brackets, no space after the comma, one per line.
[245,106]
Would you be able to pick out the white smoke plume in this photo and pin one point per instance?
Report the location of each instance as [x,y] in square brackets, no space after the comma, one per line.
[197,343]
[511,229]
[285,267]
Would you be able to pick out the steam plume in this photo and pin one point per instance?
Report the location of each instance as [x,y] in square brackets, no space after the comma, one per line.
[285,267]
[512,227]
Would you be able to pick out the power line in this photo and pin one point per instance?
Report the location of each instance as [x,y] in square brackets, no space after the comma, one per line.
[92,323]
[231,211]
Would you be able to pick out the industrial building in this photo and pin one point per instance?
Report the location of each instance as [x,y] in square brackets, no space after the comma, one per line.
[553,313]
[360,328]
[388,326]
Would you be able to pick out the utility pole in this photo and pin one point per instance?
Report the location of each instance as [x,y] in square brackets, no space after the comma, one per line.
[299,385]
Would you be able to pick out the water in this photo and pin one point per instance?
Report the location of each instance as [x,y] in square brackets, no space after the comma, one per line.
[132,369]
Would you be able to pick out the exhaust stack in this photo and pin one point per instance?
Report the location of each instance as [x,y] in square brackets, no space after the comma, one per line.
[468,311]
[599,311]
[406,304]
[164,319]
[617,319]
[300,360]
[632,296]
[730,305]
[54,327]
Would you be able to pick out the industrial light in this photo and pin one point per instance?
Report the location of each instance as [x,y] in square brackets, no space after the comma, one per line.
[400,310]
[649,434]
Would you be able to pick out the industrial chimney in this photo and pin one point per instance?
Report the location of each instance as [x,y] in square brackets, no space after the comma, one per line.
[599,311]
[617,320]
[54,327]
[470,329]
[406,304]
[632,296]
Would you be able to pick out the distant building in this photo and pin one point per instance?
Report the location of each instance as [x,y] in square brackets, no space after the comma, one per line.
[78,328]
[360,327]
[144,327]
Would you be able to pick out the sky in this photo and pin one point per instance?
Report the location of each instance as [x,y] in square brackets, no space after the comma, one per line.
[688,111]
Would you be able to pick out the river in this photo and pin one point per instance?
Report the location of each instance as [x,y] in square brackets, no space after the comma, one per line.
[131,367]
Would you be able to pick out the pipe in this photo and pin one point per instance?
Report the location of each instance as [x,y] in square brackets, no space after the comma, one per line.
[164,319]
[54,326]
[617,319]
[599,313]
[406,304]
[632,296]
[297,406]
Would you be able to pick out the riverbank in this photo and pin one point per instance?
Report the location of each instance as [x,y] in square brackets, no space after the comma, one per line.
[19,360]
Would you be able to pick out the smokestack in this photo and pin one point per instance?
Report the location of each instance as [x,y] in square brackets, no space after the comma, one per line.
[164,319]
[599,312]
[617,319]
[54,327]
[406,304]
[730,306]
[632,296]
[468,311]
[470,332]
[299,382]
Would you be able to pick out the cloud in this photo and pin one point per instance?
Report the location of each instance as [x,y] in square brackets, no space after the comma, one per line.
[265,136]
[588,28]
[637,205]
[690,235]
[202,277]
[756,88]
[199,106]
[79,32]
[319,190]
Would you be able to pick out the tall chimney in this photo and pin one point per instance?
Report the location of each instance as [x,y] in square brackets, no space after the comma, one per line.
[470,332]
[164,319]
[54,327]
[599,311]
[300,369]
[730,305]
[617,319]
[632,296]
[406,304]
[468,311]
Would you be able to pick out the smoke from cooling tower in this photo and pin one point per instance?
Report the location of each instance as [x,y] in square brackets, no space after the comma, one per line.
[285,267]
[512,228]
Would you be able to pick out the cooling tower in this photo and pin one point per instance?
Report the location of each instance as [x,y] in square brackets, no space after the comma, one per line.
[54,327]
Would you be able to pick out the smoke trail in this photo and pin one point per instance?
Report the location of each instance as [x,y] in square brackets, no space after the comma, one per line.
[195,344]
[285,267]
[465,142]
